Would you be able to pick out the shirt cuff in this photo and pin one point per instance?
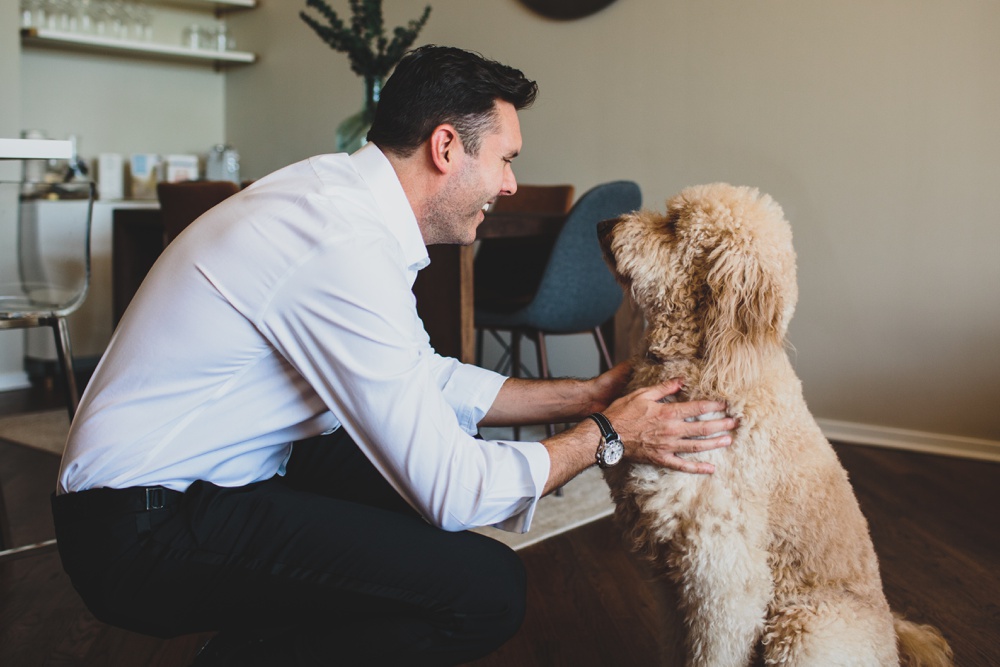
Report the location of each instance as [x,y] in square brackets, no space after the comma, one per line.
[537,457]
[471,391]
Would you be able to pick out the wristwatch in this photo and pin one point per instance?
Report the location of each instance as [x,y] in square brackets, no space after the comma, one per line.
[610,451]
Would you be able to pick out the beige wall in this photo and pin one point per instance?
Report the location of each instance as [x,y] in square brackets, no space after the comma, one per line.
[11,346]
[873,123]
[120,105]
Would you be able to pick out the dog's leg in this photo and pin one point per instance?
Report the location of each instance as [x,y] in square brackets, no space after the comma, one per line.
[726,586]
[837,631]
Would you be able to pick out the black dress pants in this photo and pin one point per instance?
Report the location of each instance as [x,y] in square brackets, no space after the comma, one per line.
[328,562]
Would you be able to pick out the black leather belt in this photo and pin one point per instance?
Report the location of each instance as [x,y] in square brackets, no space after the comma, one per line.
[99,502]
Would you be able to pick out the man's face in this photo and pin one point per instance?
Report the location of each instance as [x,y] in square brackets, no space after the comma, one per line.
[478,180]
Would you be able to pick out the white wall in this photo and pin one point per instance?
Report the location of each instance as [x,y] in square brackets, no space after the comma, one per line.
[10,59]
[873,123]
[125,104]
[11,342]
[120,105]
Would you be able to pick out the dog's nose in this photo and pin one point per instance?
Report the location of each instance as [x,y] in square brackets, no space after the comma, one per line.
[604,226]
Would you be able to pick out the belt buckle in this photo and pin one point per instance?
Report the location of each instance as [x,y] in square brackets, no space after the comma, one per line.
[156,498]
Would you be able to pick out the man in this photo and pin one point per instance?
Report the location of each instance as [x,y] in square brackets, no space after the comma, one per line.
[285,315]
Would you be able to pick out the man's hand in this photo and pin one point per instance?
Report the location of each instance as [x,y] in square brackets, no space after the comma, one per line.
[652,431]
[655,432]
[607,387]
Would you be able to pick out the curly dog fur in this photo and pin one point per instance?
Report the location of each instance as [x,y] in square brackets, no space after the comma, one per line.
[770,557]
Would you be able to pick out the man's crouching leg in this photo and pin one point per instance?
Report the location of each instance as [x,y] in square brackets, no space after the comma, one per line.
[480,608]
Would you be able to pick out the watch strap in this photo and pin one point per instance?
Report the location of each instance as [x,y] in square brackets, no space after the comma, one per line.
[607,430]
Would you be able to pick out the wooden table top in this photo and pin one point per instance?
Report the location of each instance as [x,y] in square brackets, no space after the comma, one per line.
[516,225]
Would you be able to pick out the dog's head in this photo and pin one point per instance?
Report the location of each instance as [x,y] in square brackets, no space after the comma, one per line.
[714,277]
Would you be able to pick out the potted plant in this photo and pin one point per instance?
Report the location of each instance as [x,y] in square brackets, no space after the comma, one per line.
[371,52]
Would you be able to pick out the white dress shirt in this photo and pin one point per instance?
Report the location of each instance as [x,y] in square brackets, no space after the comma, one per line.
[283,313]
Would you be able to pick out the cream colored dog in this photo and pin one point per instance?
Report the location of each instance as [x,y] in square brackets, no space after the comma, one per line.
[770,556]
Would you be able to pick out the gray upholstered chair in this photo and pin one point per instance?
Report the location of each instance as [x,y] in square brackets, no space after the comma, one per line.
[507,271]
[577,292]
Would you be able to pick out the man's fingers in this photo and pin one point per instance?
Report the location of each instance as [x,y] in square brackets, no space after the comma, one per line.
[660,391]
[690,409]
[706,444]
[667,455]
[686,465]
[699,429]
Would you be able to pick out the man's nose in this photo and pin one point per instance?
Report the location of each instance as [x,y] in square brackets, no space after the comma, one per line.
[509,182]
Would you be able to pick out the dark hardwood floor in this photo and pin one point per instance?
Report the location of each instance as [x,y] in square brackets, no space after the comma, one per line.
[590,603]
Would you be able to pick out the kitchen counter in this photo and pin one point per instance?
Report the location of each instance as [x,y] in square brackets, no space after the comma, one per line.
[35,149]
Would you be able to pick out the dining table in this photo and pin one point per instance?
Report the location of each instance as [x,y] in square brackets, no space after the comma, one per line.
[444,290]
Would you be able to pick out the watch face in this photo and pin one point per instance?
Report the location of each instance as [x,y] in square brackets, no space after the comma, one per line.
[612,452]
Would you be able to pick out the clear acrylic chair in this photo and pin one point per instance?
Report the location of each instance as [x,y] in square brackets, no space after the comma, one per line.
[44,278]
[51,271]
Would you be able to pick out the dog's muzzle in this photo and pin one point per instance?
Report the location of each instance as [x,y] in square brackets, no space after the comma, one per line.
[604,230]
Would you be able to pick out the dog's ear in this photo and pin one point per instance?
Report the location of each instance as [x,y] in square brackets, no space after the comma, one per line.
[744,315]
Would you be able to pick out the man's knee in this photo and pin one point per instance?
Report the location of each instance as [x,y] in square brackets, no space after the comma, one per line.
[495,604]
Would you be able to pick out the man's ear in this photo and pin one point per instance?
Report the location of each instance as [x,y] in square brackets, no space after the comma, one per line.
[444,145]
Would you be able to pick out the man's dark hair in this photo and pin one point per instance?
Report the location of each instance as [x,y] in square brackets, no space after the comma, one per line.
[433,85]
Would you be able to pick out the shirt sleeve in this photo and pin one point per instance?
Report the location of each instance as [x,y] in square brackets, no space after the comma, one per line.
[469,390]
[346,319]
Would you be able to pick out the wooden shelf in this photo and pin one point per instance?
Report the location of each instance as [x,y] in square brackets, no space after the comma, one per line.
[35,149]
[69,40]
[217,5]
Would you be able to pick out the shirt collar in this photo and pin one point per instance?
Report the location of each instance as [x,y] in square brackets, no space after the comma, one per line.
[376,170]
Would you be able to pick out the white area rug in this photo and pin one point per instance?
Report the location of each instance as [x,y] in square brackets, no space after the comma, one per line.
[583,500]
[586,498]
[40,430]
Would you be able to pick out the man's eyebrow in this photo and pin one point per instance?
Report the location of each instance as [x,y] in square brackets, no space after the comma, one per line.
[512,154]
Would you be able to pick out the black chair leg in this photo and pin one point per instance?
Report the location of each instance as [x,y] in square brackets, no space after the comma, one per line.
[543,372]
[543,369]
[503,364]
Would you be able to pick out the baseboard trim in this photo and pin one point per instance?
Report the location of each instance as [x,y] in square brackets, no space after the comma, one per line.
[915,441]
[15,380]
